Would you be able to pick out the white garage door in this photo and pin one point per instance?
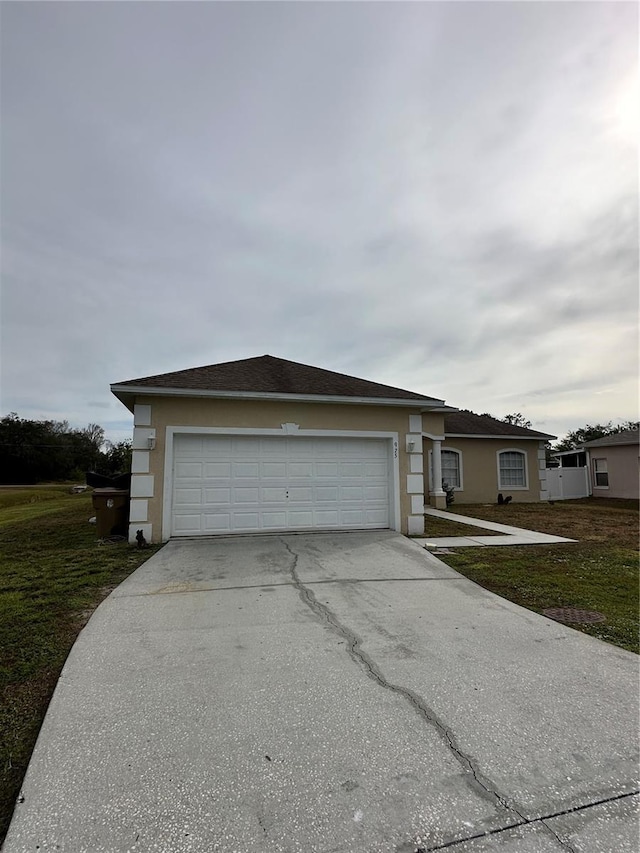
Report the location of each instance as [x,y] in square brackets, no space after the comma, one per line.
[227,484]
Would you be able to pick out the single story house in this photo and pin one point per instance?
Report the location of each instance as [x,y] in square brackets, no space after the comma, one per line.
[264,444]
[481,457]
[614,465]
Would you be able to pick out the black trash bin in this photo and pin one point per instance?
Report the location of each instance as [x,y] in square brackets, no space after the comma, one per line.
[112,512]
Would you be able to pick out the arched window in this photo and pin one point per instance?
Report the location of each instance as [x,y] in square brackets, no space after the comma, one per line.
[512,469]
[452,468]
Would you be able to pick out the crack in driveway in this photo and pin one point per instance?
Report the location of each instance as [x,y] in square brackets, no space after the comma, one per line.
[481,784]
[530,822]
[417,703]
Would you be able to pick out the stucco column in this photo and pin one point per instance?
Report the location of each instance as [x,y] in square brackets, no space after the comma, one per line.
[438,497]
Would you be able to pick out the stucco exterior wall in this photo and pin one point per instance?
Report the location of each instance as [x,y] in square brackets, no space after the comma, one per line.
[156,414]
[480,468]
[622,463]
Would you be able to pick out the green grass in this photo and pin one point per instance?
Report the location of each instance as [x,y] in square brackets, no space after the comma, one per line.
[24,504]
[53,573]
[27,496]
[599,572]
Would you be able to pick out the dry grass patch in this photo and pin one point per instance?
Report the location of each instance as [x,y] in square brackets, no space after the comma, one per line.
[435,526]
[588,519]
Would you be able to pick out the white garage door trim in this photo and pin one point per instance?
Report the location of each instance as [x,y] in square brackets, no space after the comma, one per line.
[286,430]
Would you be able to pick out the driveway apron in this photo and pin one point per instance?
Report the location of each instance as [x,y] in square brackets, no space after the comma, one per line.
[331,693]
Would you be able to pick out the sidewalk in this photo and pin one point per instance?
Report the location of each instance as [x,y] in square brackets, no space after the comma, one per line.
[512,535]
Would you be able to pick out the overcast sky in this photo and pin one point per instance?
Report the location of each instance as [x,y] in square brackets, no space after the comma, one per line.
[441,196]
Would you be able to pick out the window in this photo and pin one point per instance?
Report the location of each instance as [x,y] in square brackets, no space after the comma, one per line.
[601,473]
[512,469]
[451,468]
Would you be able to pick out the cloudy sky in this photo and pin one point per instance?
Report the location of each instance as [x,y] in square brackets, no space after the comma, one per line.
[441,196]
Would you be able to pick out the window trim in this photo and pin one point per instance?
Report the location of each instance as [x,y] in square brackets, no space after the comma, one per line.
[455,450]
[524,454]
[596,472]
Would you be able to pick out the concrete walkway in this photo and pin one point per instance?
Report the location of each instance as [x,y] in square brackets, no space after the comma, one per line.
[329,693]
[512,535]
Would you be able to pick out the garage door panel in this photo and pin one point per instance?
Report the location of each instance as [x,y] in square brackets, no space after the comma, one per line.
[245,469]
[375,493]
[245,446]
[351,493]
[327,469]
[188,523]
[273,469]
[300,495]
[274,520]
[300,469]
[351,469]
[228,484]
[219,522]
[192,445]
[352,518]
[276,494]
[327,518]
[216,445]
[188,497]
[246,520]
[217,496]
[298,518]
[250,496]
[189,470]
[216,470]
[326,493]
[376,517]
[376,469]
[267,447]
[328,447]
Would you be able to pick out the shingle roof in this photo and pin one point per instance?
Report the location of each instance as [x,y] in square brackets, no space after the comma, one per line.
[468,423]
[627,436]
[270,375]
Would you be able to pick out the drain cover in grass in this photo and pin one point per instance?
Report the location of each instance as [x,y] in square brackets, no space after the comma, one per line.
[571,614]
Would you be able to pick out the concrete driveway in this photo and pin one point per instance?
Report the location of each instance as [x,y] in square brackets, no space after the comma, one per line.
[330,692]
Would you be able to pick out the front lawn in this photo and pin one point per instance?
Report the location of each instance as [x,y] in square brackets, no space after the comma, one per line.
[599,572]
[53,574]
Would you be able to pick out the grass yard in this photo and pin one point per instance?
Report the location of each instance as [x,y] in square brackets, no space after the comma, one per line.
[435,526]
[599,572]
[53,574]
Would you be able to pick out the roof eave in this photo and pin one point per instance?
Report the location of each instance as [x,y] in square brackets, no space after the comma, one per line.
[127,394]
[504,436]
[595,444]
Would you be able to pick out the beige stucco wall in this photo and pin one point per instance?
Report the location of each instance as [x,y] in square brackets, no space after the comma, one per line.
[480,469]
[185,411]
[622,464]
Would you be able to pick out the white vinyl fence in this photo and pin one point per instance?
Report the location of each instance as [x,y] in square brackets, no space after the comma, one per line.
[567,483]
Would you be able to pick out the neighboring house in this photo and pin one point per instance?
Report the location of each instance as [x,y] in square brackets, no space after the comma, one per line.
[481,457]
[265,444]
[613,465]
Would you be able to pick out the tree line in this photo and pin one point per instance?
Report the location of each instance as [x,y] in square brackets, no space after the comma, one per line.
[51,451]
[575,439]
